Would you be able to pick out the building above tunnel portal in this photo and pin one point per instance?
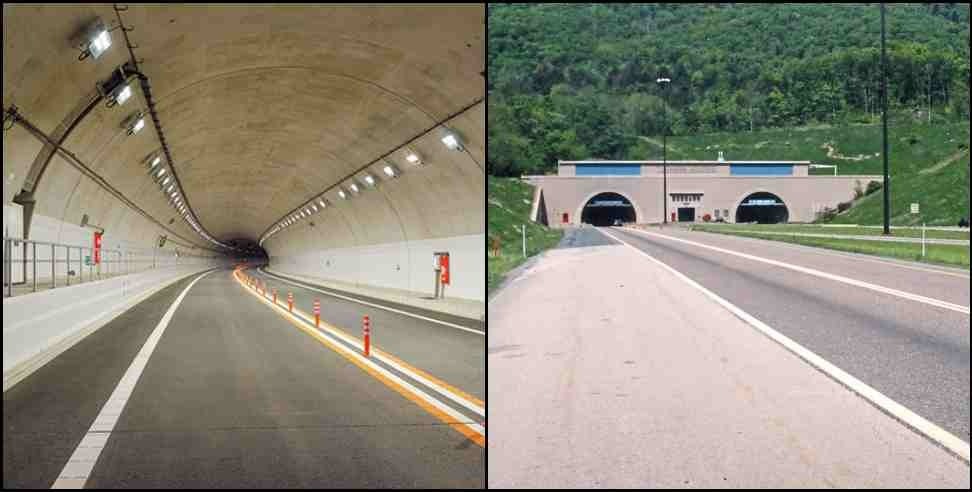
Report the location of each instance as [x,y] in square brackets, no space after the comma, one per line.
[607,192]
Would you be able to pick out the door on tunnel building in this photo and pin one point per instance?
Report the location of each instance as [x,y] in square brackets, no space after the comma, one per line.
[686,214]
[606,208]
[762,207]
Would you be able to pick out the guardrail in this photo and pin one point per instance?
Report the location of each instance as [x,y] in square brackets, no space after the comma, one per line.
[21,258]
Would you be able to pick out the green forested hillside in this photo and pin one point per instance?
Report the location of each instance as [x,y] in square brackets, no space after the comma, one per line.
[578,81]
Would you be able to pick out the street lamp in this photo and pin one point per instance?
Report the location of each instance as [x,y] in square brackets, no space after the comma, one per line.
[884,130]
[665,80]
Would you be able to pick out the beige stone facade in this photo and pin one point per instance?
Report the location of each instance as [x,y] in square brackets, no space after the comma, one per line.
[708,185]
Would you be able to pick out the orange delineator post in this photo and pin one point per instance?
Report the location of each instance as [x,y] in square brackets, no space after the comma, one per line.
[274,296]
[366,324]
[317,313]
[290,301]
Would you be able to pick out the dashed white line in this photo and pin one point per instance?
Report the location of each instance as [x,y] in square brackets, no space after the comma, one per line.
[918,423]
[79,466]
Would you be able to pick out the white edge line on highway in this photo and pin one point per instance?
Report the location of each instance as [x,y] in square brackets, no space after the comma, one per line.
[817,273]
[379,306]
[79,466]
[830,252]
[928,429]
[460,418]
[360,346]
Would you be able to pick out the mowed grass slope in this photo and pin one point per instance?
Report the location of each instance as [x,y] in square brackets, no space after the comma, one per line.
[509,208]
[856,149]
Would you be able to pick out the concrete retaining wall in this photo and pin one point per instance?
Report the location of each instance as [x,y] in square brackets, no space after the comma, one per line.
[400,265]
[38,327]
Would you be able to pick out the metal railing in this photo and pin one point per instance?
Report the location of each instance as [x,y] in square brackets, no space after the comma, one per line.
[32,265]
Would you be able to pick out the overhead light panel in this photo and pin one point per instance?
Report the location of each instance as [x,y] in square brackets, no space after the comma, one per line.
[94,40]
[413,158]
[451,140]
[123,94]
[390,171]
[135,123]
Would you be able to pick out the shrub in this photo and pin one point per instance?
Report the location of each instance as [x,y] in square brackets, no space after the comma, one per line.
[963,222]
[707,217]
[842,206]
[827,213]
[872,187]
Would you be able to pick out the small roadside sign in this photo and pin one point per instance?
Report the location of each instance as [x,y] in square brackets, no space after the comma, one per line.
[914,208]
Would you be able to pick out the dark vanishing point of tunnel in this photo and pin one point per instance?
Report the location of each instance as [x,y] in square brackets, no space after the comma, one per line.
[606,208]
[762,207]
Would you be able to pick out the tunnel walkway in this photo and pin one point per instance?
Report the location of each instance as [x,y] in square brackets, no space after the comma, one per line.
[235,395]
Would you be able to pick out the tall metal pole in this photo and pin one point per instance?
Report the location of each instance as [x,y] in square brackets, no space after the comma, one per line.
[665,80]
[884,131]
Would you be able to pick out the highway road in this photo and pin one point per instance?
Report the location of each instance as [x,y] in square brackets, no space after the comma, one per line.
[238,394]
[913,352]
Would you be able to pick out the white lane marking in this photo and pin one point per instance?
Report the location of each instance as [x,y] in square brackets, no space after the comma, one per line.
[460,418]
[830,252]
[379,306]
[817,273]
[944,438]
[78,468]
[360,346]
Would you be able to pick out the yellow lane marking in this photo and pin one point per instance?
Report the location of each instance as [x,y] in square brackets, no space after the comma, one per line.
[462,427]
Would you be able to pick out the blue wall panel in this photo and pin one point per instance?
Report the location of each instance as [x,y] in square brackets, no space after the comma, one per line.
[608,169]
[761,169]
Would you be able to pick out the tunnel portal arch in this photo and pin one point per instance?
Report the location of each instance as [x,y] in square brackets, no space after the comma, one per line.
[762,207]
[604,208]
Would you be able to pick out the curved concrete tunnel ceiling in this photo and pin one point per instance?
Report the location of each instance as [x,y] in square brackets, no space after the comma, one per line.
[263,108]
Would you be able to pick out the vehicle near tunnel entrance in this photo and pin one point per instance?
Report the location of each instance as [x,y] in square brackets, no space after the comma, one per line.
[607,209]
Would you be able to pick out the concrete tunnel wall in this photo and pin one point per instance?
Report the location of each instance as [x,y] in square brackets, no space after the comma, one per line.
[263,109]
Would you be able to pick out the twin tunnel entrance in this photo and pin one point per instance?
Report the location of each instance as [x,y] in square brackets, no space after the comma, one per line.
[608,208]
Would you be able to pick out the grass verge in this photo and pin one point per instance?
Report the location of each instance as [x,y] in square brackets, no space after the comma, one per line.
[509,208]
[936,254]
[838,231]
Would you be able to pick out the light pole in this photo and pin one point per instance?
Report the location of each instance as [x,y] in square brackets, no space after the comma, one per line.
[665,80]
[884,131]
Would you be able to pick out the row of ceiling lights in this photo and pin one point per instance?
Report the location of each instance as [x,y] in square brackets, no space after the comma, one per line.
[355,186]
[96,39]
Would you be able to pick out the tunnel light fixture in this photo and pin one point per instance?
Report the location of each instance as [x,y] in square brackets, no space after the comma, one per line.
[369,180]
[166,180]
[169,189]
[123,94]
[322,203]
[413,158]
[155,162]
[160,172]
[452,141]
[135,123]
[390,171]
[342,194]
[354,188]
[93,40]
[314,207]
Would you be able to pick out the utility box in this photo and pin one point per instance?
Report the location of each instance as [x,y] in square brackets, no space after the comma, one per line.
[440,260]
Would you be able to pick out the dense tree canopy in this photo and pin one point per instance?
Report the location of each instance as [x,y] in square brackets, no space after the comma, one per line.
[579,81]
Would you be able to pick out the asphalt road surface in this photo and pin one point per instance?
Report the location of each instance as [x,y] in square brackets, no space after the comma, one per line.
[234,395]
[912,352]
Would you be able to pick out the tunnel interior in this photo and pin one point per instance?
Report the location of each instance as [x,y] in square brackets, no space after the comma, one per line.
[604,209]
[763,208]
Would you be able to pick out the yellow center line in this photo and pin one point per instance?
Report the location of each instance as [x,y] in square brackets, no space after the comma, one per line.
[461,427]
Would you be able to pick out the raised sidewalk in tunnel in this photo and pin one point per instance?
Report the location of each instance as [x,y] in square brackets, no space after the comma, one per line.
[606,370]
